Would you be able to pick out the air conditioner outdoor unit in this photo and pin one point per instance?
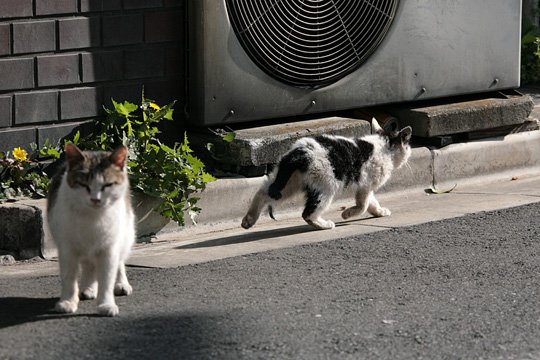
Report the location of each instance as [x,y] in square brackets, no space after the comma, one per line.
[251,60]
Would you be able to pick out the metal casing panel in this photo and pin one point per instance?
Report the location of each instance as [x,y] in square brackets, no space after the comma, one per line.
[435,48]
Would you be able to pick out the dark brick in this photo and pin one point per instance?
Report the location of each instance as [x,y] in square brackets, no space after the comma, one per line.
[122,29]
[5,41]
[102,66]
[79,32]
[56,133]
[174,61]
[165,91]
[15,8]
[48,7]
[17,137]
[80,103]
[171,3]
[16,74]
[34,36]
[121,93]
[144,64]
[163,26]
[5,111]
[142,4]
[58,69]
[36,107]
[100,5]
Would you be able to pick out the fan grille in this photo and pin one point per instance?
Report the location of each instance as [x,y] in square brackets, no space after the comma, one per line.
[310,43]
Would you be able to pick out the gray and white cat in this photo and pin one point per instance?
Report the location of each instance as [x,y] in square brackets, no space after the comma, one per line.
[322,166]
[93,225]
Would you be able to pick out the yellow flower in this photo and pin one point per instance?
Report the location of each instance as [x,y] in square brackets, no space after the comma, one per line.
[19,154]
[154,106]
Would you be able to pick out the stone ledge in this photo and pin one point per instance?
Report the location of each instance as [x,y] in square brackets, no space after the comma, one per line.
[255,148]
[437,118]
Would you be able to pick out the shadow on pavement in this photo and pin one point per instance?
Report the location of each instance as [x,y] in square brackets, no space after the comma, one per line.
[249,236]
[172,336]
[20,310]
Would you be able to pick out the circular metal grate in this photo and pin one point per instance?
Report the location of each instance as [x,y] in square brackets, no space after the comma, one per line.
[310,43]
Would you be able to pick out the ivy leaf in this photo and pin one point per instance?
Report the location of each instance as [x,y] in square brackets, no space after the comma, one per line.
[76,137]
[229,137]
[168,115]
[126,108]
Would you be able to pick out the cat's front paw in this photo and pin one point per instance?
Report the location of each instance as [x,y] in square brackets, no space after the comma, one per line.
[66,306]
[108,310]
[380,212]
[321,224]
[123,289]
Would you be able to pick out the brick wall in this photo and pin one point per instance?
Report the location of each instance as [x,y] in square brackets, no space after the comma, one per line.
[61,60]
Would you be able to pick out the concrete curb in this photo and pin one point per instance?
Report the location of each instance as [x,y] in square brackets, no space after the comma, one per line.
[467,163]
[225,201]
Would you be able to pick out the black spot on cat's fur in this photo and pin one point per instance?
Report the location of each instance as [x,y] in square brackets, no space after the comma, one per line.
[346,157]
[312,201]
[298,159]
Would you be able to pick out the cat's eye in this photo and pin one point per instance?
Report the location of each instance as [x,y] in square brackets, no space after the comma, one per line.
[81,184]
[106,186]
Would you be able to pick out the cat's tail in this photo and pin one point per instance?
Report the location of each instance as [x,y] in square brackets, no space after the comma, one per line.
[273,189]
[271,212]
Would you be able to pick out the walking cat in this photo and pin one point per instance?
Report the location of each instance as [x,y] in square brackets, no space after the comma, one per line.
[93,225]
[323,165]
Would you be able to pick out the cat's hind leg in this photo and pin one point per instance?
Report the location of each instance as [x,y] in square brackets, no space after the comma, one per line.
[316,205]
[88,281]
[362,203]
[259,202]
[376,209]
[122,286]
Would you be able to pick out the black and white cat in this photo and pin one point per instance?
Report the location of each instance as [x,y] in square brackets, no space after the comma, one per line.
[322,166]
[91,219]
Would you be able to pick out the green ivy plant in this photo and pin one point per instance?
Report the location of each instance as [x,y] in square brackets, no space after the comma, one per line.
[171,174]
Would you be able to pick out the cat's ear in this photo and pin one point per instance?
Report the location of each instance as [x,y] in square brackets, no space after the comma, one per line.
[375,127]
[119,156]
[74,155]
[405,134]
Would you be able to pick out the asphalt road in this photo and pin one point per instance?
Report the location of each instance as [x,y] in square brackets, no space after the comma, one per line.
[464,288]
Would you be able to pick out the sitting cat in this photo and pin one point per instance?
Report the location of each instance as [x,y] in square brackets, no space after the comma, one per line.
[323,165]
[93,225]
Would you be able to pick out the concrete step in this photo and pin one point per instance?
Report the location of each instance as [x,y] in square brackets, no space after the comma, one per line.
[465,114]
[255,148]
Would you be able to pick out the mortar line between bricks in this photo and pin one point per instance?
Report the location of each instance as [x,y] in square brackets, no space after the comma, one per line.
[36,75]
[11,38]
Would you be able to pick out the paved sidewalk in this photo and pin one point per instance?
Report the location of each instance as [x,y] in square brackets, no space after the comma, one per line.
[208,243]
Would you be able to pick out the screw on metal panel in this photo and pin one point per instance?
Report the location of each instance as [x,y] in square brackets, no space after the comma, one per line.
[423,90]
[231,112]
[496,81]
[313,103]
